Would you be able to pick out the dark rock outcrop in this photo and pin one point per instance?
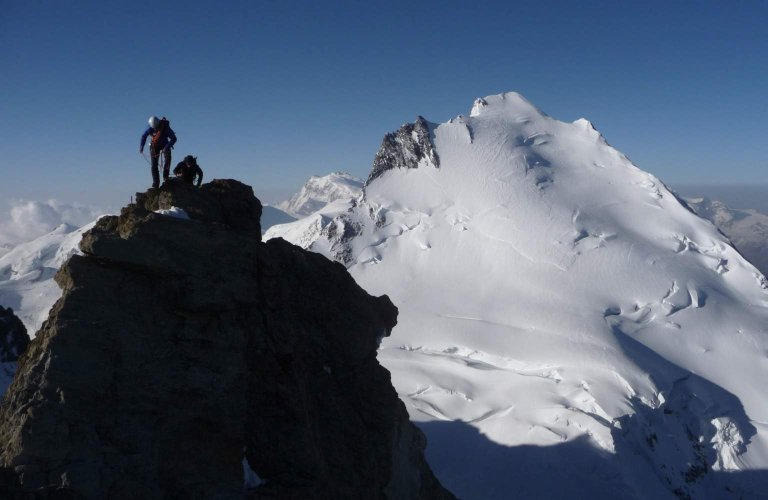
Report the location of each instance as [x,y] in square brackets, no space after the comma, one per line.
[13,341]
[182,348]
[223,201]
[13,336]
[406,148]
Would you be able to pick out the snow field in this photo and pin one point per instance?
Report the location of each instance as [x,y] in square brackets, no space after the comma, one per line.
[553,294]
[26,274]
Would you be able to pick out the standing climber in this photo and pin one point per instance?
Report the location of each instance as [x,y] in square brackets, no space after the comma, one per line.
[188,170]
[163,139]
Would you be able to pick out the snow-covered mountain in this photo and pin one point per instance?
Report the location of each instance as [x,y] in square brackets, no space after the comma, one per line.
[567,328]
[27,270]
[319,191]
[747,229]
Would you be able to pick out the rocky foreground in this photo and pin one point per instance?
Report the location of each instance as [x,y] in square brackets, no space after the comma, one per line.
[184,350]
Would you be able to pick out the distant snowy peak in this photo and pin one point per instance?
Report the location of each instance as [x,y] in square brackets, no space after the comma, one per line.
[319,191]
[27,270]
[716,211]
[334,224]
[747,229]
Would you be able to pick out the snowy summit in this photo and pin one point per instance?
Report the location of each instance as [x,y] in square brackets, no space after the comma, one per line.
[562,313]
[319,191]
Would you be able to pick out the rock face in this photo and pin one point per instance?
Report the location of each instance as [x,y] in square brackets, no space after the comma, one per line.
[13,341]
[13,336]
[409,147]
[183,350]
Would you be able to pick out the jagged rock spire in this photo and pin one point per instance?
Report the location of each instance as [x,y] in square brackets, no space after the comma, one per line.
[409,147]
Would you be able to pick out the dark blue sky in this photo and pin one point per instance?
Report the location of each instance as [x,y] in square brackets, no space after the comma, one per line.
[271,92]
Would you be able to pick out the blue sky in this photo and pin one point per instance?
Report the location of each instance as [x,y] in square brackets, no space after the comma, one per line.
[271,92]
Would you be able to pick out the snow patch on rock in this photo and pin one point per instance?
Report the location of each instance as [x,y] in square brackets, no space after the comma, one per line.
[175,212]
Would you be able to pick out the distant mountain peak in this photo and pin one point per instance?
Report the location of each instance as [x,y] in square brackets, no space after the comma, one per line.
[318,191]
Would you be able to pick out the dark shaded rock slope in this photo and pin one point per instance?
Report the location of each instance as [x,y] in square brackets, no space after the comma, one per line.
[182,347]
[13,341]
[13,336]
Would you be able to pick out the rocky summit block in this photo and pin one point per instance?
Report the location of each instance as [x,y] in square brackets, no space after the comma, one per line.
[185,352]
[221,201]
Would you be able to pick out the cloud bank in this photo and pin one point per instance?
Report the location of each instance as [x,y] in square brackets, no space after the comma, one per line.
[24,220]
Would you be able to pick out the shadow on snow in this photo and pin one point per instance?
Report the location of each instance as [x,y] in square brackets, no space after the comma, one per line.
[667,451]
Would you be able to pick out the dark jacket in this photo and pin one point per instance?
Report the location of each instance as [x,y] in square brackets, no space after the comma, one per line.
[188,173]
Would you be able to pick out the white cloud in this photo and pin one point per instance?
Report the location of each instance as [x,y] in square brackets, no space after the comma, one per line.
[24,220]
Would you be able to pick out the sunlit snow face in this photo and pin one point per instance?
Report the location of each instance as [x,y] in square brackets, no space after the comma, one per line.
[552,295]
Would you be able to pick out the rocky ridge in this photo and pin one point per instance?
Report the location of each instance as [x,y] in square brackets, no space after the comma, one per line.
[408,147]
[184,349]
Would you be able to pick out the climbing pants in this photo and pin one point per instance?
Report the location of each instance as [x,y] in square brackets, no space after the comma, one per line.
[155,155]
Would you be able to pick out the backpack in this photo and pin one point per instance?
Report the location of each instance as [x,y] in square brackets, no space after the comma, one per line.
[161,135]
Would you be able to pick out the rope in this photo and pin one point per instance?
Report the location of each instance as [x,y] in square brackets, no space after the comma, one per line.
[160,155]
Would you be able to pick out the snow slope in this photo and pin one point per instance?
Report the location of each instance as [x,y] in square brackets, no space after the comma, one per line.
[26,274]
[319,191]
[567,328]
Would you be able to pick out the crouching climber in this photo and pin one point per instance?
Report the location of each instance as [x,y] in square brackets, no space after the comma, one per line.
[188,170]
[163,139]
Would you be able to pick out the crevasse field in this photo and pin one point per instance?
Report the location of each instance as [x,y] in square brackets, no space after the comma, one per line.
[568,328]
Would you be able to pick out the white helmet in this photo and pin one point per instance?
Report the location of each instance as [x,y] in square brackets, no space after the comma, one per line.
[154,122]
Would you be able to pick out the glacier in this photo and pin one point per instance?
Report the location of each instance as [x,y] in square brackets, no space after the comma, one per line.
[568,327]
